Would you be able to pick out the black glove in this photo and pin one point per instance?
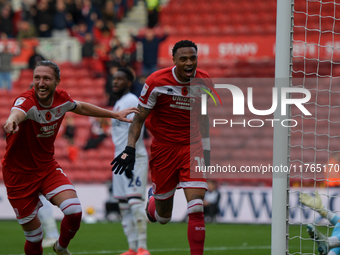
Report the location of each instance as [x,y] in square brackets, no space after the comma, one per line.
[128,172]
[125,162]
[206,155]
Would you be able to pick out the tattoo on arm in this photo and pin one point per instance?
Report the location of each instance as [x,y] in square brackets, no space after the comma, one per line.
[136,125]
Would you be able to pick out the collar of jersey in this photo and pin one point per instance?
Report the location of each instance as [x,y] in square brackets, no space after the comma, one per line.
[174,75]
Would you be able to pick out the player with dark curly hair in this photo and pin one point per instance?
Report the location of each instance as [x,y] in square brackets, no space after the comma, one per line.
[170,107]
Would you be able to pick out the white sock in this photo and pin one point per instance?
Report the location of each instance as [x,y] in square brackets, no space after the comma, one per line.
[47,220]
[140,221]
[128,226]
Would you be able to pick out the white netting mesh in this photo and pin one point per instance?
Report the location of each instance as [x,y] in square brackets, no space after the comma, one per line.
[315,141]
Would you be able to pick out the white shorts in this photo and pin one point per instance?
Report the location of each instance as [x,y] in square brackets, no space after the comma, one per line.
[123,188]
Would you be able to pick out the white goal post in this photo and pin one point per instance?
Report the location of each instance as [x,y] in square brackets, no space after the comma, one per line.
[280,184]
[312,148]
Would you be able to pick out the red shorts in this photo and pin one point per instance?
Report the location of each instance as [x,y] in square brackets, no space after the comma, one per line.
[174,167]
[23,189]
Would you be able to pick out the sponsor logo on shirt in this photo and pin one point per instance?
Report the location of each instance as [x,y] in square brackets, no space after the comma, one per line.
[19,101]
[48,131]
[144,90]
[182,102]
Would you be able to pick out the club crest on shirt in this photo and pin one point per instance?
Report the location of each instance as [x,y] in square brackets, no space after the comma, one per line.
[59,113]
[19,101]
[144,90]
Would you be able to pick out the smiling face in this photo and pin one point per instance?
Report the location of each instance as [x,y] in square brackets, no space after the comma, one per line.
[45,83]
[185,60]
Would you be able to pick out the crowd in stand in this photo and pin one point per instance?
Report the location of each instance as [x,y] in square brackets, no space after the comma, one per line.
[46,18]
[93,23]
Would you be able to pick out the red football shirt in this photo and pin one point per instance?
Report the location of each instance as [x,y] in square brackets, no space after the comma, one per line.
[176,106]
[32,147]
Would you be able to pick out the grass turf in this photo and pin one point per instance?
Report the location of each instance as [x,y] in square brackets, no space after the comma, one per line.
[108,238]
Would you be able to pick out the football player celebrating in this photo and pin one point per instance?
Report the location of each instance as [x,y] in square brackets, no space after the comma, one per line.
[29,166]
[170,107]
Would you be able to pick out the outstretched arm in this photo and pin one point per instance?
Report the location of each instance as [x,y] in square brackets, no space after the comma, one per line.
[136,125]
[95,111]
[13,121]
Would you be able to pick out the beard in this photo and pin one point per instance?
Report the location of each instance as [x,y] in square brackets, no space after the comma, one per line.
[45,99]
[117,95]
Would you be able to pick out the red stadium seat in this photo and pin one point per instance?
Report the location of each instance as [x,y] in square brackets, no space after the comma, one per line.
[26,74]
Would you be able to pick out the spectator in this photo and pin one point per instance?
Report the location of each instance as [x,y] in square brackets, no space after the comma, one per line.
[109,15]
[87,49]
[117,57]
[118,10]
[111,99]
[25,30]
[70,130]
[27,10]
[69,134]
[150,49]
[153,8]
[137,85]
[60,21]
[43,18]
[211,202]
[88,14]
[79,31]
[73,10]
[100,129]
[97,30]
[6,21]
[6,68]
[34,58]
[130,51]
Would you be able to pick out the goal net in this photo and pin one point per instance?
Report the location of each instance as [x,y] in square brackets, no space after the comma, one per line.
[314,144]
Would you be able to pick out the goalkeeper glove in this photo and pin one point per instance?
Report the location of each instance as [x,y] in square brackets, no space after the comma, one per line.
[125,162]
[314,203]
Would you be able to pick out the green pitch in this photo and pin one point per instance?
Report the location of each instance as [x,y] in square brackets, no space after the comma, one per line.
[108,238]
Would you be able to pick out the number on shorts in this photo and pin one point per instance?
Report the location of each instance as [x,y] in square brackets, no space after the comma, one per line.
[200,162]
[138,183]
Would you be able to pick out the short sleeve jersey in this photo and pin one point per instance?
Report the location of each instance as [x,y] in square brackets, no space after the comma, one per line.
[120,128]
[32,147]
[174,118]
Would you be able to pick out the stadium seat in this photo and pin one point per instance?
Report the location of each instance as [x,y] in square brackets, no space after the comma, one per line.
[26,74]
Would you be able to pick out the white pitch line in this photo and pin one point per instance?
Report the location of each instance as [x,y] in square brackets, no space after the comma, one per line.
[171,250]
